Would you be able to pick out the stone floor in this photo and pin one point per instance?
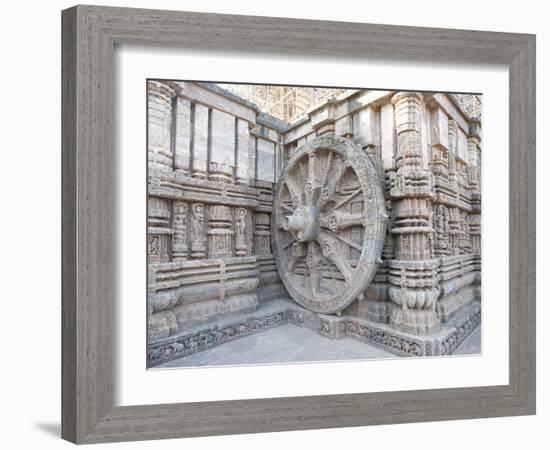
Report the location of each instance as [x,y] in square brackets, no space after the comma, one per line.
[290,343]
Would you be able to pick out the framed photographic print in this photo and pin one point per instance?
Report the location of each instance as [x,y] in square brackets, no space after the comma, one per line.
[341,230]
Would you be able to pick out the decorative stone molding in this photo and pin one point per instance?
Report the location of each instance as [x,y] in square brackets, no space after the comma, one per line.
[203,338]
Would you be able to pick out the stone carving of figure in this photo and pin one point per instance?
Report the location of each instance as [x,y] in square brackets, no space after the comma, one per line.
[240,229]
[440,219]
[198,218]
[241,224]
[179,249]
[197,243]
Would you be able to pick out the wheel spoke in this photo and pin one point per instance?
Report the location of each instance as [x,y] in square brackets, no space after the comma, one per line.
[343,240]
[294,191]
[330,159]
[312,186]
[286,208]
[333,251]
[337,221]
[329,188]
[288,244]
[344,201]
[293,263]
[314,263]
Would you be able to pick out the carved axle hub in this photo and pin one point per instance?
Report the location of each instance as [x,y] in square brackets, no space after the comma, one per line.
[303,223]
[328,224]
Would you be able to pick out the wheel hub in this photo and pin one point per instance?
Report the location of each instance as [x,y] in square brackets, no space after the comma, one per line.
[303,224]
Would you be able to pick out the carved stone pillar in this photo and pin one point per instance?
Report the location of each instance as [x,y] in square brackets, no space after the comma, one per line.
[219,232]
[159,103]
[413,273]
[179,242]
[262,234]
[474,217]
[198,244]
[474,161]
[158,229]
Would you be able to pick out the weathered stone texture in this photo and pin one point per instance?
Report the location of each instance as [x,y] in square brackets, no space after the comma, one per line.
[200,140]
[374,224]
[182,135]
[208,216]
[265,160]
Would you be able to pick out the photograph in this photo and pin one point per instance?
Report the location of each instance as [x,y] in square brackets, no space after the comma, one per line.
[267,225]
[301,224]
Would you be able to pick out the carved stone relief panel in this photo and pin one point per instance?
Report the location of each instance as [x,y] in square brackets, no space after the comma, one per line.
[242,230]
[198,241]
[179,242]
[324,228]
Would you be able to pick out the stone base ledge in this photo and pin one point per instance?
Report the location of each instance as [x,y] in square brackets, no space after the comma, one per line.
[444,342]
[283,311]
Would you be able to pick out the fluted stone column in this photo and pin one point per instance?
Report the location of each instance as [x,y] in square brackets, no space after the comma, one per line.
[413,272]
[160,97]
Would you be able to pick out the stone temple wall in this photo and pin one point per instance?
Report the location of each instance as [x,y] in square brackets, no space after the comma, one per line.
[428,154]
[212,162]
[213,159]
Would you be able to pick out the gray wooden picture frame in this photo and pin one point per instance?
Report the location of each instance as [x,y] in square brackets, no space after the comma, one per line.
[90,34]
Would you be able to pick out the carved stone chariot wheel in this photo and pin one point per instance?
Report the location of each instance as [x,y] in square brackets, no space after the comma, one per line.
[328,224]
